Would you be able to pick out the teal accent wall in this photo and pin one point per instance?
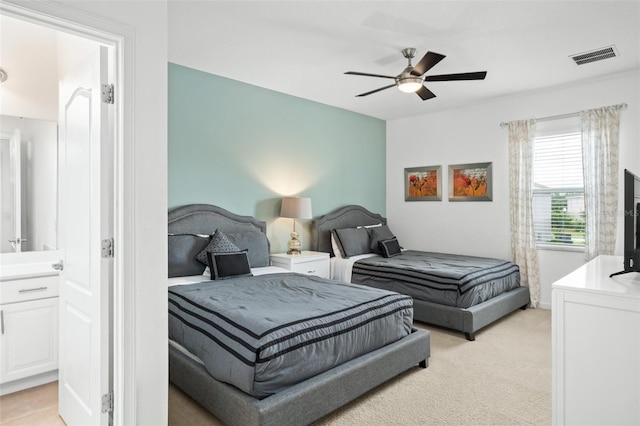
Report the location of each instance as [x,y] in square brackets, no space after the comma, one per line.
[243,147]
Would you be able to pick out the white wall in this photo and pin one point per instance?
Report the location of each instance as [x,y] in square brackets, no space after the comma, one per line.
[472,135]
[26,80]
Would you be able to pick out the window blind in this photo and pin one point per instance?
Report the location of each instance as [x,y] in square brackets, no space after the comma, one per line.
[558,190]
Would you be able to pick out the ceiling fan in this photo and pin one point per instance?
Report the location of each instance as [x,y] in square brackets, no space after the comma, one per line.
[411,79]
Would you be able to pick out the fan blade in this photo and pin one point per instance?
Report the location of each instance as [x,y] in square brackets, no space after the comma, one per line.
[425,93]
[377,90]
[428,61]
[368,75]
[480,75]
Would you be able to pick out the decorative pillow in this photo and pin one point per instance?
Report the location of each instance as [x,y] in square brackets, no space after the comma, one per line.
[228,265]
[390,247]
[183,249]
[255,242]
[352,241]
[378,234]
[219,243]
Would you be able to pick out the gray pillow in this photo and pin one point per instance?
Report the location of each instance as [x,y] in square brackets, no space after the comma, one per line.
[352,241]
[183,249]
[256,243]
[377,234]
[219,243]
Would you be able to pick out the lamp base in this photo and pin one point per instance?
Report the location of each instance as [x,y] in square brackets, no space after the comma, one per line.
[294,244]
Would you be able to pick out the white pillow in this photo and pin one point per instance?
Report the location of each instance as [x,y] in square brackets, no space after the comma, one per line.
[370,226]
[334,245]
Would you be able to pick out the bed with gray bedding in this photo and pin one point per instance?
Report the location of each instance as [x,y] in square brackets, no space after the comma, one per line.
[262,345]
[247,356]
[463,293]
[446,279]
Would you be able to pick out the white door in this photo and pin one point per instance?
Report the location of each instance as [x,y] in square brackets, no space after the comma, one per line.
[85,219]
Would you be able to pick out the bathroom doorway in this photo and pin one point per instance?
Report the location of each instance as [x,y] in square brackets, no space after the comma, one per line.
[38,58]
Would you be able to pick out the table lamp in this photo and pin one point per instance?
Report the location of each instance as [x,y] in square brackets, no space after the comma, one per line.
[295,208]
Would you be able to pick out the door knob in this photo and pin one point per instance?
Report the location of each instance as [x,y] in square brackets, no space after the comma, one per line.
[58,266]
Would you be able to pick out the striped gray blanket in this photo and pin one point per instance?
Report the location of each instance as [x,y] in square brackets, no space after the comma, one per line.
[448,279]
[265,333]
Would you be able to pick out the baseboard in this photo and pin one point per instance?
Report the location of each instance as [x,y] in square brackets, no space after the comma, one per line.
[28,382]
[544,306]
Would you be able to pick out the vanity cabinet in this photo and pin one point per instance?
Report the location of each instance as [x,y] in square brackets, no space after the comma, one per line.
[29,332]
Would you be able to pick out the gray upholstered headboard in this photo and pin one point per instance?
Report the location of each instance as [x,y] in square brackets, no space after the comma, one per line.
[344,217]
[189,227]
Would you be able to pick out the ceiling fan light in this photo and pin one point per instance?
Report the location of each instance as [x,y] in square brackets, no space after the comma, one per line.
[410,84]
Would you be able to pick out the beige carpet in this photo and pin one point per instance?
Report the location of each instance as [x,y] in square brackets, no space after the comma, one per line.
[502,378]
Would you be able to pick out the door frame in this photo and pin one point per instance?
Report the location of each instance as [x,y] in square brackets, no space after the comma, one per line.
[121,39]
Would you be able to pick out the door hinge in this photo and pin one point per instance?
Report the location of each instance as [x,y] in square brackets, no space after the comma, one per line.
[107,93]
[107,402]
[107,247]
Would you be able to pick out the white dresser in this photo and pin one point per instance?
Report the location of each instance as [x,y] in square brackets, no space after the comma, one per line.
[596,346]
[28,328]
[308,262]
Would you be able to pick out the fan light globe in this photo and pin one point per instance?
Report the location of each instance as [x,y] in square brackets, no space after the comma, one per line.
[410,85]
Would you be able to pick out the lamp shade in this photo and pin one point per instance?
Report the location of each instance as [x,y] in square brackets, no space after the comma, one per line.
[295,207]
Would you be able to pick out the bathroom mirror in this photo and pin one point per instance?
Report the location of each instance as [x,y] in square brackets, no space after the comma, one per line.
[28,184]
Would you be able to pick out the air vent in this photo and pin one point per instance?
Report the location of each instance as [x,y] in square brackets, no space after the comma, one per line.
[595,55]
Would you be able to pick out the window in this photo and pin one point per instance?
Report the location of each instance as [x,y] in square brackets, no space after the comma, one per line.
[558,191]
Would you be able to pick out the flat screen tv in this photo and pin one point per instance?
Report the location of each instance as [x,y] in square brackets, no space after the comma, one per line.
[631,223]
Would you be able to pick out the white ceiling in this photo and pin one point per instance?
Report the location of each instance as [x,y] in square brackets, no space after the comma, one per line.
[302,48]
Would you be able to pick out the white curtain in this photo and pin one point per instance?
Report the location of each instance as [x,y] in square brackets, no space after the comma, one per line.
[523,242]
[600,163]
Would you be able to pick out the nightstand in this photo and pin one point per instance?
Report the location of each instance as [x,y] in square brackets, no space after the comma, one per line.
[309,262]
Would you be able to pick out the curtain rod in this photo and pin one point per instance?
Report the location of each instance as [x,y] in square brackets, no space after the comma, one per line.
[556,117]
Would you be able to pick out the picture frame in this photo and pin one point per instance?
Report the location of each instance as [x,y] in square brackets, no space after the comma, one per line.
[423,183]
[471,182]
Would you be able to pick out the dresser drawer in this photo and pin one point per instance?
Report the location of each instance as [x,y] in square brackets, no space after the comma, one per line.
[24,289]
[308,262]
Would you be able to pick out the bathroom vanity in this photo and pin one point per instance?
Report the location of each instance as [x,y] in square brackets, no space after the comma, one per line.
[28,248]
[28,326]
